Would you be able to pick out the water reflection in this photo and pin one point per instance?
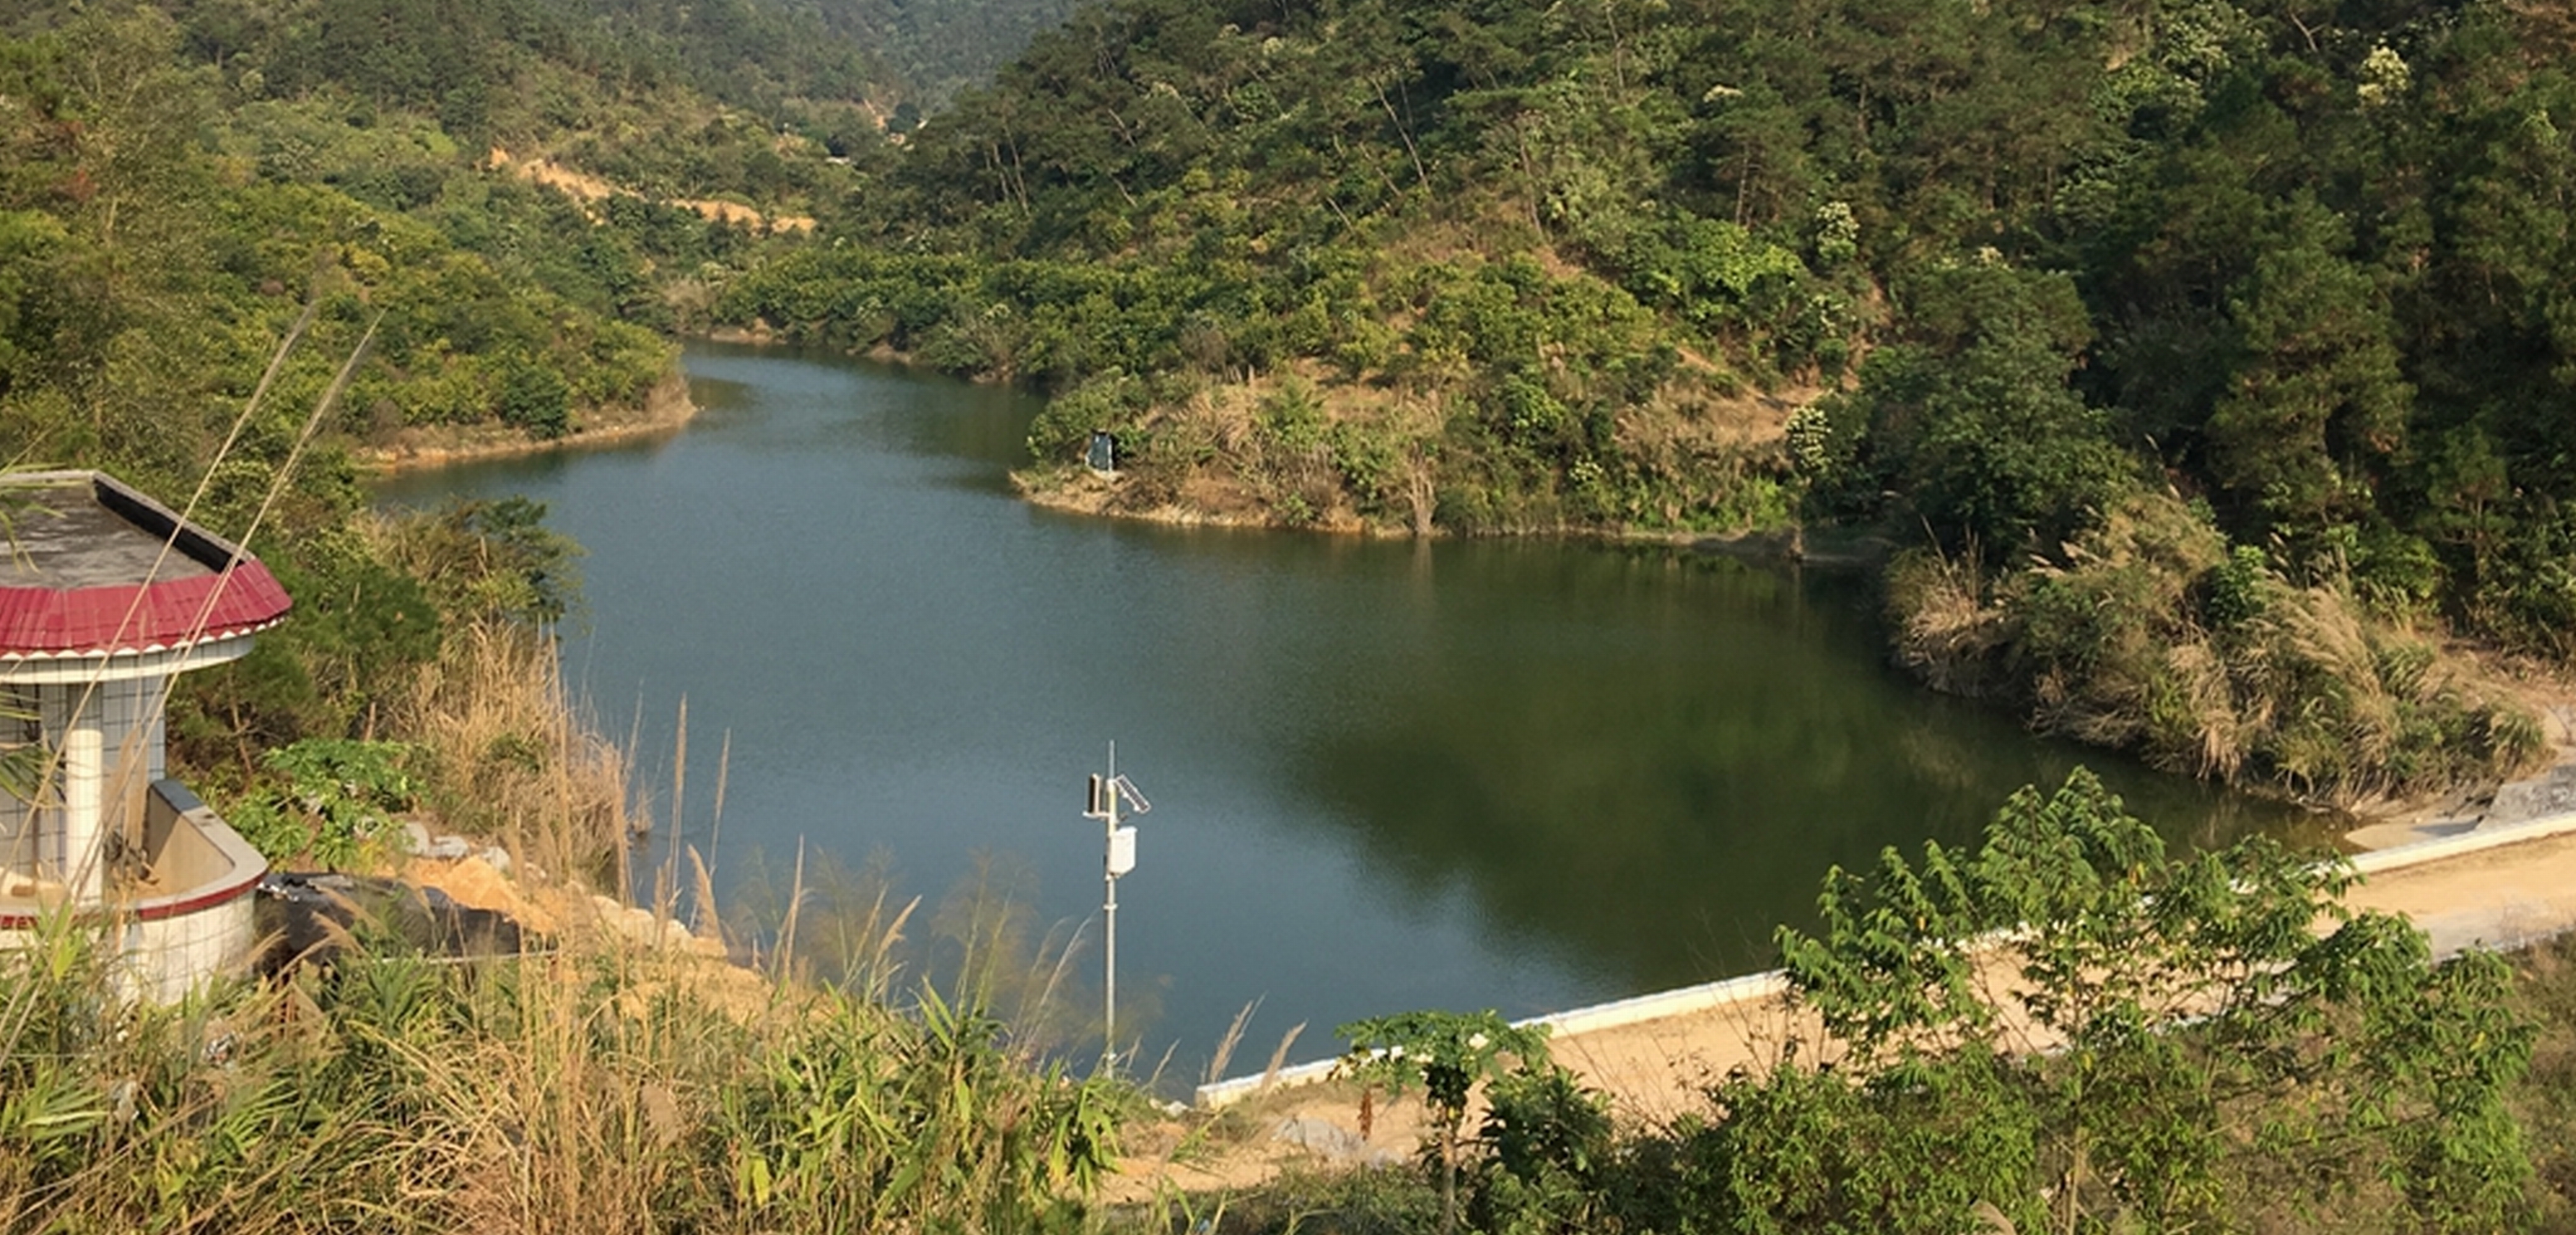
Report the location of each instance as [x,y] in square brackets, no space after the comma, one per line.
[1662,787]
[1389,774]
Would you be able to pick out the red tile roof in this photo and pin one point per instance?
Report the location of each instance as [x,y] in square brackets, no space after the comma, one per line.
[171,613]
[90,575]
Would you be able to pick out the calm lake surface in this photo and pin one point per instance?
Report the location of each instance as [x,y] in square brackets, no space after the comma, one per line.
[1385,775]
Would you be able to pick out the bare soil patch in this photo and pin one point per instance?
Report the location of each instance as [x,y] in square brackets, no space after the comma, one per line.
[590,188]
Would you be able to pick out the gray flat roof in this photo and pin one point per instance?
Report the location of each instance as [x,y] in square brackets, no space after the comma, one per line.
[62,536]
[86,573]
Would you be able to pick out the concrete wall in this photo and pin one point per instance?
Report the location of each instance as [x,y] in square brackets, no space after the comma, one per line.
[162,959]
[198,924]
[1772,982]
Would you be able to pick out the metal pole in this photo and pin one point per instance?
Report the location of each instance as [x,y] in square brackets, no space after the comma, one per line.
[1109,912]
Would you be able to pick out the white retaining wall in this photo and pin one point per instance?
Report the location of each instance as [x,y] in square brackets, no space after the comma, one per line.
[1690,999]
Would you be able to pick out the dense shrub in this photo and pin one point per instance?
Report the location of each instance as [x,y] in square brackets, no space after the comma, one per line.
[2157,635]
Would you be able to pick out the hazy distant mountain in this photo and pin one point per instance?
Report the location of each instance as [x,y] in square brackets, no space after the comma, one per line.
[939,47]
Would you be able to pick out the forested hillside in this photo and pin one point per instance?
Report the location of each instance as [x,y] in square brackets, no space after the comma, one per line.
[937,48]
[207,207]
[2222,350]
[725,98]
[2210,359]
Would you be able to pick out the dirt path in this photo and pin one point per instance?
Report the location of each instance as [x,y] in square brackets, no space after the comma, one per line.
[591,188]
[1655,1069]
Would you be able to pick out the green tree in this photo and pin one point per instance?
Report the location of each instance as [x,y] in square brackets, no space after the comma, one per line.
[1975,423]
[489,562]
[1448,1054]
[362,629]
[535,398]
[2317,400]
[2083,1032]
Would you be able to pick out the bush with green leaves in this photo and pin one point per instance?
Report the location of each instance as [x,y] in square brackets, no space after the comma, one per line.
[1552,1159]
[486,561]
[1061,432]
[330,799]
[2077,1030]
[1445,1054]
[889,1123]
[2066,1029]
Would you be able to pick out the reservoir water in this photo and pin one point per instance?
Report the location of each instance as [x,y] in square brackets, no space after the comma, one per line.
[1385,775]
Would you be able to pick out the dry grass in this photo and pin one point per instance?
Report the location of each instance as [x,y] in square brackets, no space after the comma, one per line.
[2123,642]
[513,758]
[594,1087]
[2546,1100]
[1946,629]
[2218,731]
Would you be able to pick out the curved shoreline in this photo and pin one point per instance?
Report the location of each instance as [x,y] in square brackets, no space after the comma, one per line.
[667,408]
[1827,548]
[2367,825]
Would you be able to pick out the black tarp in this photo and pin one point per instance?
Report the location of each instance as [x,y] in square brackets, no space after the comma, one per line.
[310,915]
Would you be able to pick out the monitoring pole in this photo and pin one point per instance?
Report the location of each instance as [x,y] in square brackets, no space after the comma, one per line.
[1118,858]
[1109,920]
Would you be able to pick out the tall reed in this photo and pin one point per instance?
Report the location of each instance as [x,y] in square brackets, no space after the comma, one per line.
[593,1088]
[2153,634]
[513,758]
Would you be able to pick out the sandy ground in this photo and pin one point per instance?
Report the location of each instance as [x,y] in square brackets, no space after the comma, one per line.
[591,188]
[1655,1069]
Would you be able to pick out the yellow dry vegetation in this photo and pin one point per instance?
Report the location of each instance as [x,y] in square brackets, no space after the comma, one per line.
[544,170]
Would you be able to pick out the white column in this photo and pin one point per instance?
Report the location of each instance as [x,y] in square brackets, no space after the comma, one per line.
[155,696]
[53,704]
[69,848]
[17,843]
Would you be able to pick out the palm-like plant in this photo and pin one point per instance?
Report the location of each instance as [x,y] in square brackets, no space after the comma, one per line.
[22,756]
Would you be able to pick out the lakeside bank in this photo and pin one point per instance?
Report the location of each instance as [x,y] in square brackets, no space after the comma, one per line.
[926,599]
[2509,888]
[666,408]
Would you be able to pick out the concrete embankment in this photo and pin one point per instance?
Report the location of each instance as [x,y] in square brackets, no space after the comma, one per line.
[2496,886]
